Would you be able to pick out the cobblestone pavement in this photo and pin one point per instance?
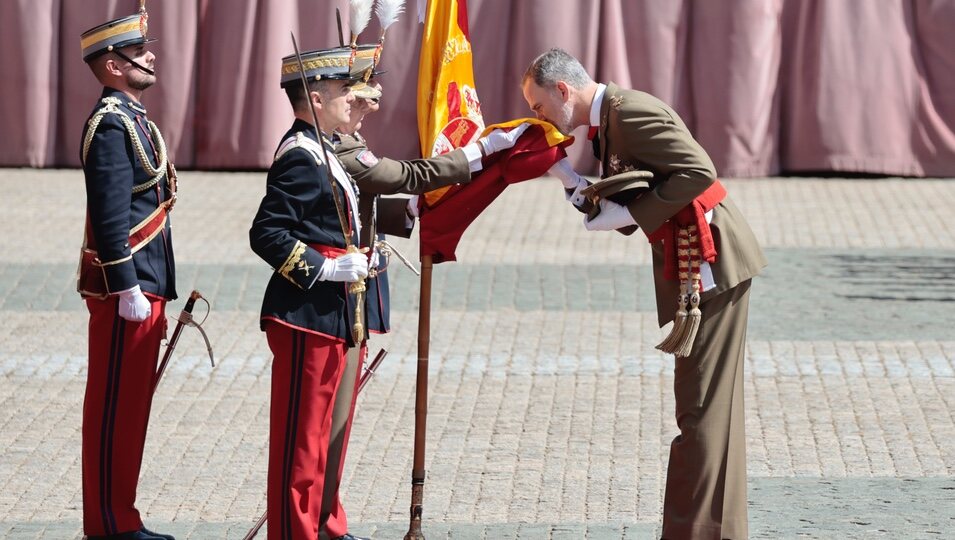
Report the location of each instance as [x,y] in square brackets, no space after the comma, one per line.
[550,410]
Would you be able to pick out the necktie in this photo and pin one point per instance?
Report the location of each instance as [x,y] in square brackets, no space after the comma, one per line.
[594,140]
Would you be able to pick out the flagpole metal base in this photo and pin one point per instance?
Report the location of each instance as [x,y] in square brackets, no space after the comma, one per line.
[417,496]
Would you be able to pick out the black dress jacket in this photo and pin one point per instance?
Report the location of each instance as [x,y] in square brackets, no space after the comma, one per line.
[119,196]
[296,223]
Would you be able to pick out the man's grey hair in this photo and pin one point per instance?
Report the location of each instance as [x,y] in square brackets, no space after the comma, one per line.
[557,65]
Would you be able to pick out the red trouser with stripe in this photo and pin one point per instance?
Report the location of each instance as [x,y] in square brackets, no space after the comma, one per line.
[306,371]
[119,389]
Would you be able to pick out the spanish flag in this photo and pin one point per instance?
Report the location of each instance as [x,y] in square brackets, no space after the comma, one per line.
[449,116]
[449,112]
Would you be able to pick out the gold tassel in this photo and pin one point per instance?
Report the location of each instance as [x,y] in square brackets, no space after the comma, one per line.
[669,343]
[675,338]
[692,325]
[358,289]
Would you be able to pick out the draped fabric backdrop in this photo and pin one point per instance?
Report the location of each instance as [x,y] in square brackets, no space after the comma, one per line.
[767,86]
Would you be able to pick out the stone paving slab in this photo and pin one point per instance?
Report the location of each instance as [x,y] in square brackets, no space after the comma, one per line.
[881,294]
[529,224]
[779,508]
[550,410]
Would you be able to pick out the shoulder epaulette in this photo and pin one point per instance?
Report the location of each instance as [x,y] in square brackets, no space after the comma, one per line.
[299,140]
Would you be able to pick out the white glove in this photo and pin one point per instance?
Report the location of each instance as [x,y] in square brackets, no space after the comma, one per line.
[374,260]
[133,305]
[349,268]
[499,139]
[612,216]
[413,206]
[567,175]
[573,182]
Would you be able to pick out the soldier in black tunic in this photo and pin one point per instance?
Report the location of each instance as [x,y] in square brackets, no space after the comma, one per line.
[126,274]
[308,313]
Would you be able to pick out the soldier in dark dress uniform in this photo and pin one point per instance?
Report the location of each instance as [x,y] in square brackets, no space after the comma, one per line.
[308,313]
[377,176]
[126,274]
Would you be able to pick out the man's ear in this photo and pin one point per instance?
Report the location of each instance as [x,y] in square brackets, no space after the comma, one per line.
[316,97]
[563,90]
[112,68]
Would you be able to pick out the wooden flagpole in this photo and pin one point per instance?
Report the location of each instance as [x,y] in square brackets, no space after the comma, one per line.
[421,401]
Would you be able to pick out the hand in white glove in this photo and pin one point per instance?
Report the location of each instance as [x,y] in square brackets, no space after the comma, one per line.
[374,260]
[413,206]
[349,268]
[499,139]
[567,175]
[133,305]
[573,182]
[612,216]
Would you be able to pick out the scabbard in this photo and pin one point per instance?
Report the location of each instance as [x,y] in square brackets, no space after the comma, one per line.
[370,370]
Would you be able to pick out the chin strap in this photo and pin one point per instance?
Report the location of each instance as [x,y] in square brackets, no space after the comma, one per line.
[136,64]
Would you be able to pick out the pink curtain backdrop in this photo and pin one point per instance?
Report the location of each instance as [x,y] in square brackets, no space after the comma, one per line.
[767,86]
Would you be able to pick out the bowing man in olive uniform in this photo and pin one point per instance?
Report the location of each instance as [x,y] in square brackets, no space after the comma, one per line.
[307,218]
[377,176]
[126,274]
[704,258]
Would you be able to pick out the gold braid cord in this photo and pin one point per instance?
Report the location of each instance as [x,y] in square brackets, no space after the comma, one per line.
[358,289]
[694,316]
[672,341]
[111,105]
[686,324]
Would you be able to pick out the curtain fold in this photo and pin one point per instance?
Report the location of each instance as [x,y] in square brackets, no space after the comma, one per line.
[767,86]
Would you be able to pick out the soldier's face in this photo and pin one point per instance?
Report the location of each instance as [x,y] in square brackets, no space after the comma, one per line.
[550,105]
[358,111]
[374,103]
[135,77]
[336,102]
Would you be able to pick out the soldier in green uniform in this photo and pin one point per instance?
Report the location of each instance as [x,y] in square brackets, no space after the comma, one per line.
[704,256]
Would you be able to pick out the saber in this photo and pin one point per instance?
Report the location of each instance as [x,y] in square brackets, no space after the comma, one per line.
[368,373]
[370,369]
[185,319]
[341,37]
[258,525]
[357,288]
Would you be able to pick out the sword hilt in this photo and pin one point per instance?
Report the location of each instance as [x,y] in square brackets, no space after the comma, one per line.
[185,319]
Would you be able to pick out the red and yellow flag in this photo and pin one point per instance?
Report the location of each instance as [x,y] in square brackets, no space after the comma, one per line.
[444,222]
[449,112]
[449,116]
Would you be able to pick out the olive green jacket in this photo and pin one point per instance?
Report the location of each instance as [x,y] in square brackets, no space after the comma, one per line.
[382,176]
[638,132]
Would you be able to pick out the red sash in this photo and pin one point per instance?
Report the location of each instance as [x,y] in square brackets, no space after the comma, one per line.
[692,214]
[91,276]
[329,252]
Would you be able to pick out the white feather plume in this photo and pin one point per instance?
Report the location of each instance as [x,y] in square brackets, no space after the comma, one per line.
[388,11]
[359,14]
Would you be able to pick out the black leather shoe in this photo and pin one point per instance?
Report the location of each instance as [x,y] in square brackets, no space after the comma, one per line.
[349,536]
[141,534]
[157,535]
